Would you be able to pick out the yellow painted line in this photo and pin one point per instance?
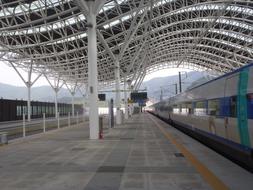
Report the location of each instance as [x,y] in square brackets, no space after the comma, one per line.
[208,176]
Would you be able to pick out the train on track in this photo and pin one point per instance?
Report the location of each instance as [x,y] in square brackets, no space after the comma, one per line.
[11,110]
[218,113]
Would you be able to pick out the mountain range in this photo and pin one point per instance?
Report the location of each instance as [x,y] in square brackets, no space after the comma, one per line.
[153,86]
[167,86]
[41,93]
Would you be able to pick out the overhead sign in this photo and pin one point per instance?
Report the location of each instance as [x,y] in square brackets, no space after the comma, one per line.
[101,97]
[139,96]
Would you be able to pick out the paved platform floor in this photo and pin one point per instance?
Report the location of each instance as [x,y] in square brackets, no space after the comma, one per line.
[136,155]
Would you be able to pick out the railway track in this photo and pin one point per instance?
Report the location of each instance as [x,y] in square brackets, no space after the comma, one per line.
[14,129]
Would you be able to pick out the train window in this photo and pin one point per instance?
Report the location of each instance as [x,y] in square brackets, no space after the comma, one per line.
[185,108]
[188,108]
[250,105]
[232,106]
[214,107]
[176,109]
[200,108]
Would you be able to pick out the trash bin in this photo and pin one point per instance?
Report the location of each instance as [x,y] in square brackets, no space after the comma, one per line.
[3,138]
[100,127]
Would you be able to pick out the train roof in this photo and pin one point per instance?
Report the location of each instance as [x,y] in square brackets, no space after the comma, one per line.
[222,76]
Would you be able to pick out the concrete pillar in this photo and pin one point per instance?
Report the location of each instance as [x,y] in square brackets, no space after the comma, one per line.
[125,99]
[92,75]
[117,94]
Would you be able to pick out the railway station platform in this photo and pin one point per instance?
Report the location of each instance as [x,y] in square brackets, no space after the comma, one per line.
[143,153]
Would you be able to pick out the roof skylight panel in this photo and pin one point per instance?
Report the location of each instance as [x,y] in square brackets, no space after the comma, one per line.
[233,34]
[48,27]
[236,46]
[111,5]
[227,21]
[72,38]
[108,6]
[124,18]
[35,5]
[235,8]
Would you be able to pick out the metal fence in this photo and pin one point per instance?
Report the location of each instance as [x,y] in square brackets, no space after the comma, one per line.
[23,128]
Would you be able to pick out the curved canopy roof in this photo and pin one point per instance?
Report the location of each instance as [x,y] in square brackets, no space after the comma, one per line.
[147,35]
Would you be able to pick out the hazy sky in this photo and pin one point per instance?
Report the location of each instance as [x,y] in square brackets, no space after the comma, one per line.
[165,72]
[9,76]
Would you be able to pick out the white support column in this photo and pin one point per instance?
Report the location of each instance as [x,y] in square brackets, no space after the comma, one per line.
[72,89]
[125,99]
[56,90]
[29,85]
[28,101]
[73,105]
[117,94]
[24,132]
[58,120]
[84,98]
[92,74]
[90,9]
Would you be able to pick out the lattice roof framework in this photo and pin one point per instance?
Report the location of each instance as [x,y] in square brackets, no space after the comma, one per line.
[215,36]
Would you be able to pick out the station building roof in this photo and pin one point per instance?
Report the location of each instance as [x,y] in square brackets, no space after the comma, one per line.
[147,35]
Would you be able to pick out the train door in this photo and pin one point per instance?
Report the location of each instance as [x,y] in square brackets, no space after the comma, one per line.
[1,110]
[236,93]
[229,108]
[242,105]
[250,104]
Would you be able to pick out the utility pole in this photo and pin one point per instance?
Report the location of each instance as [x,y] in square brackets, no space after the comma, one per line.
[180,82]
[175,88]
[161,95]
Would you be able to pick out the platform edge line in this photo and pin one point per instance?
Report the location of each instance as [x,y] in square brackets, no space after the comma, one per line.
[208,176]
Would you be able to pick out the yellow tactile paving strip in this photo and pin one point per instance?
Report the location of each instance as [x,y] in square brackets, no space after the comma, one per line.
[208,176]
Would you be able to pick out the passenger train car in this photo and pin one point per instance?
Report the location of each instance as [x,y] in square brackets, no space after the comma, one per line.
[218,113]
[11,110]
